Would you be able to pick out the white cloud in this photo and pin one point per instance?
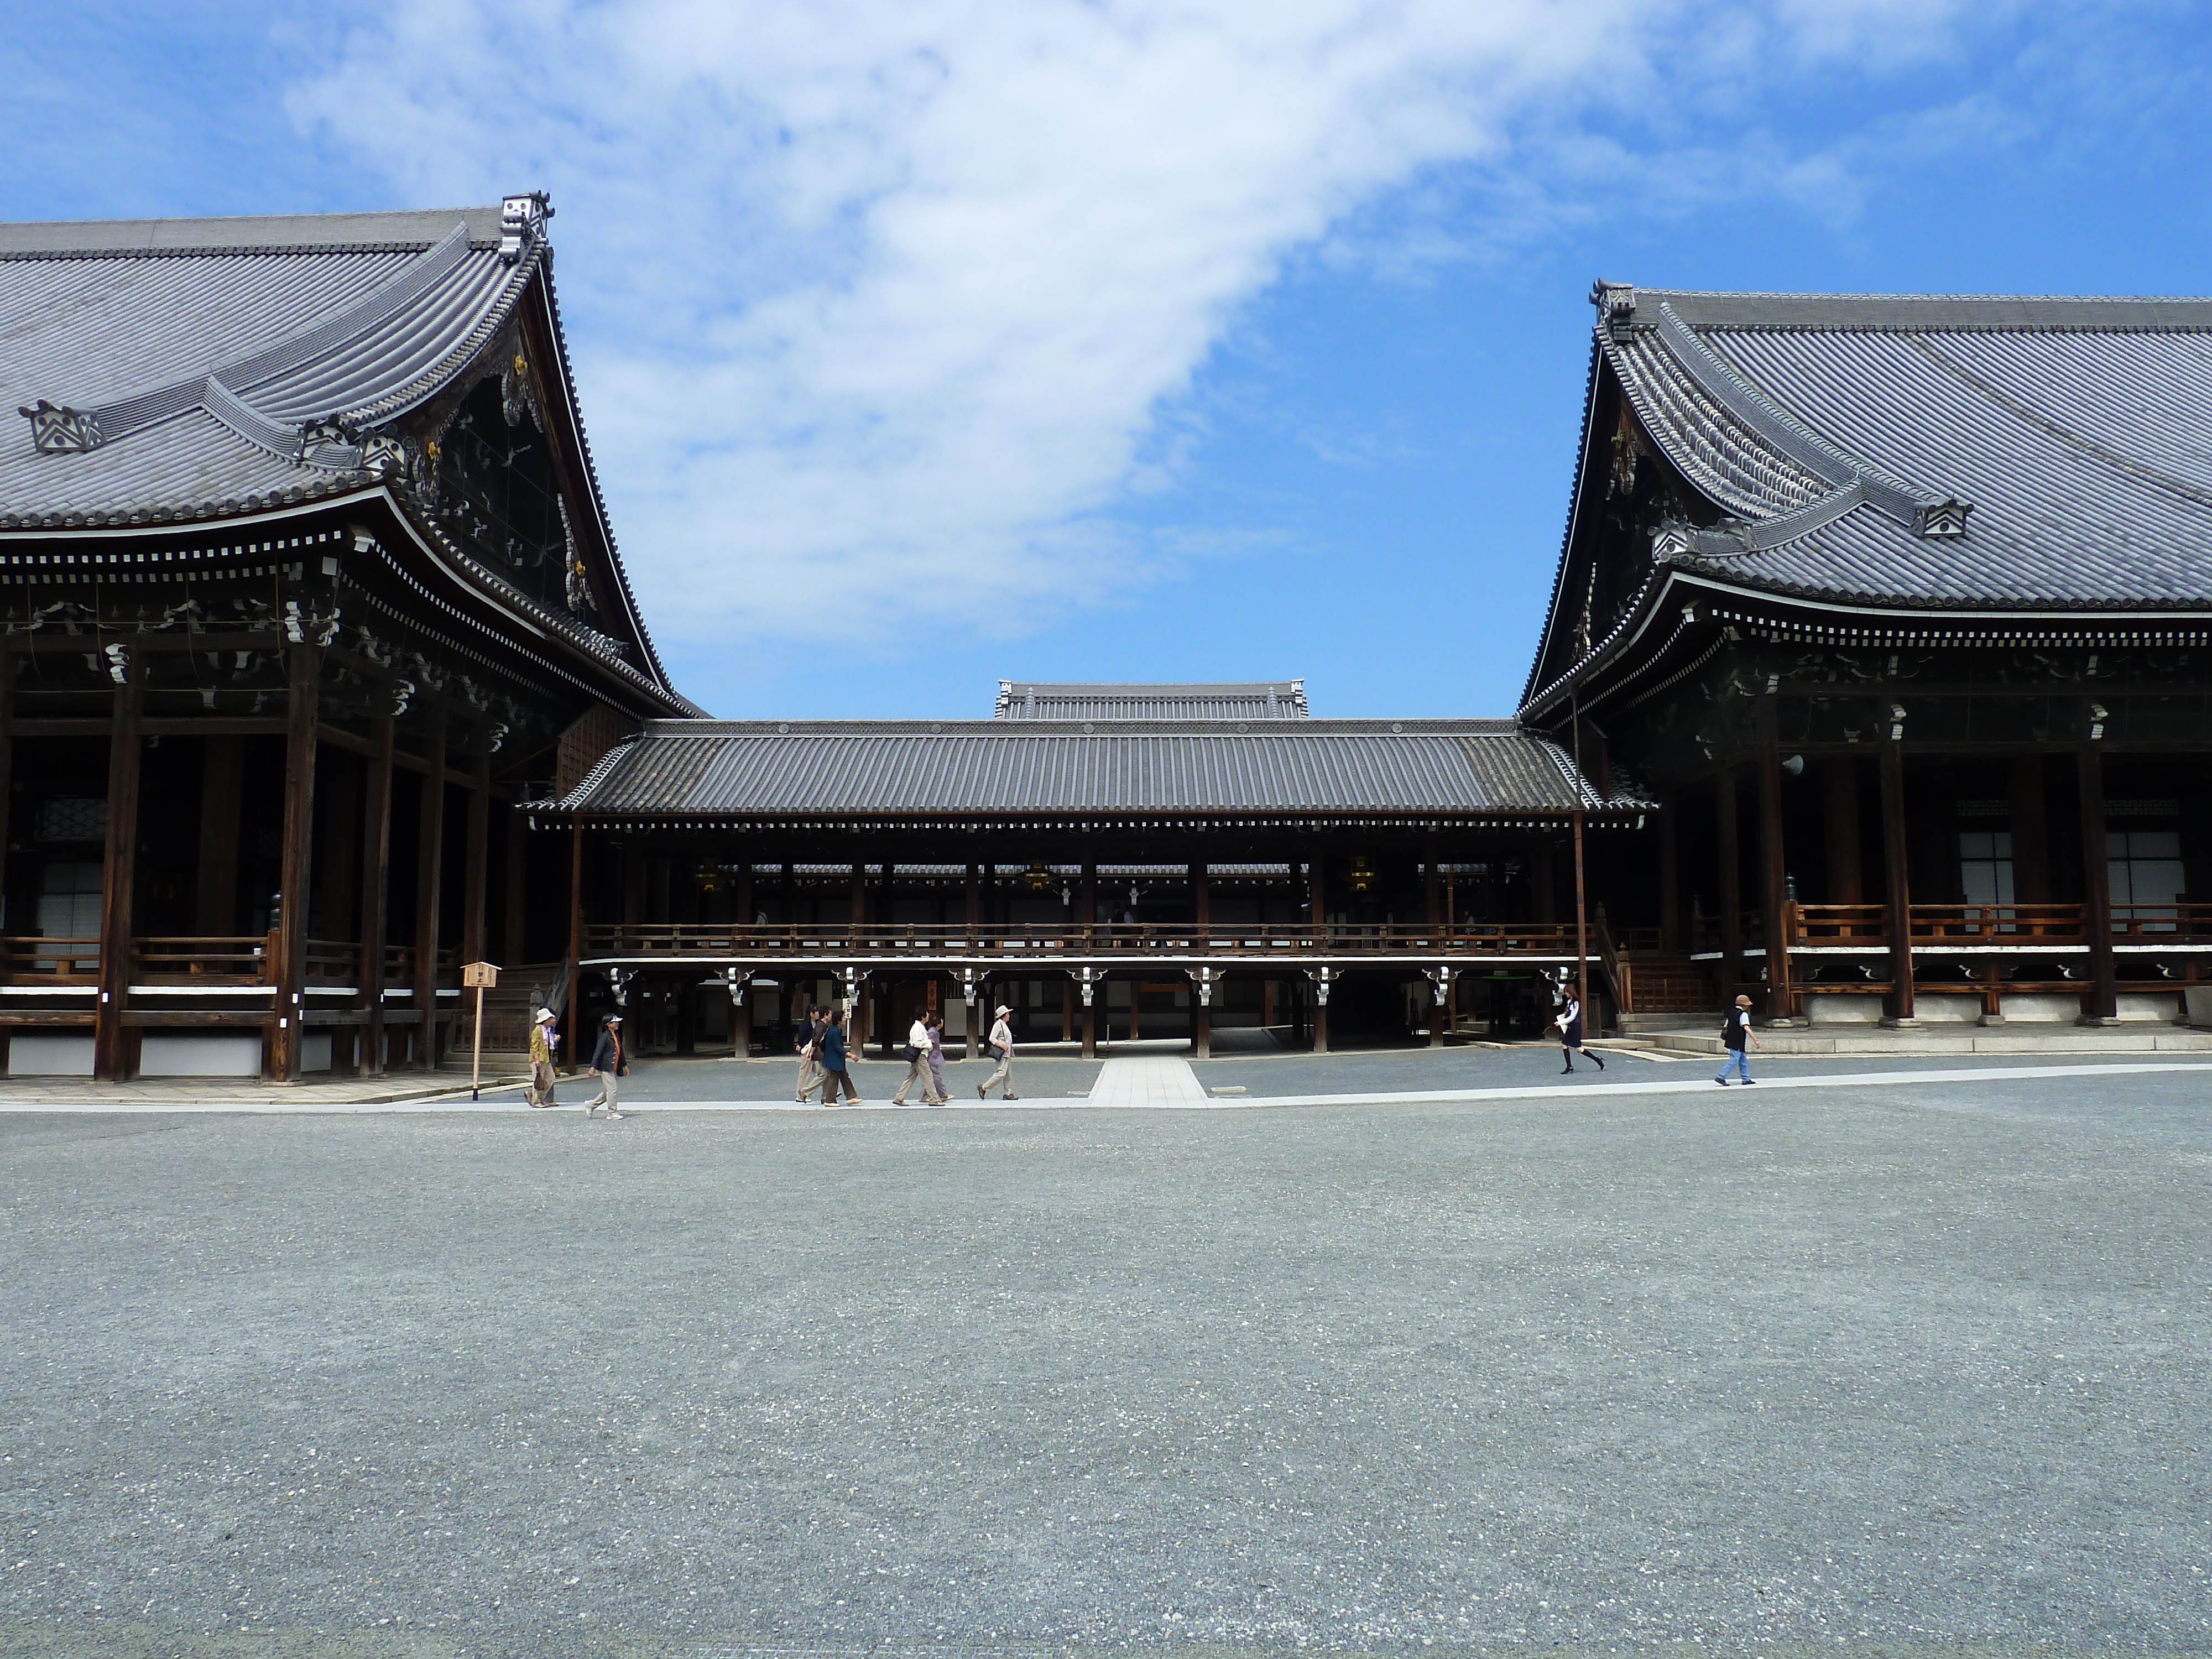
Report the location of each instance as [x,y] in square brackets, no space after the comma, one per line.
[880,298]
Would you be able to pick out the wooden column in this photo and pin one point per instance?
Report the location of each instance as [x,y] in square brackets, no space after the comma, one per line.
[1773,867]
[222,782]
[1320,1021]
[7,786]
[571,1039]
[476,876]
[1731,884]
[1897,885]
[1201,899]
[1201,1022]
[2100,1003]
[1543,883]
[375,890]
[1839,813]
[305,662]
[2031,833]
[741,1023]
[859,901]
[1433,891]
[1317,889]
[1670,878]
[429,870]
[514,922]
[1068,1011]
[111,1056]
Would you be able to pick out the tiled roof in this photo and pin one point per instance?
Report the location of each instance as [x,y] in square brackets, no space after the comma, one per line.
[186,370]
[981,767]
[1261,700]
[1833,431]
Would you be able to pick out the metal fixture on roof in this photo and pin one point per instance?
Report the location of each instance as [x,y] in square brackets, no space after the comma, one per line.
[522,221]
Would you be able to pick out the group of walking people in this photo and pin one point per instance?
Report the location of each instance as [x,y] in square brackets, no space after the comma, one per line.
[823,1050]
[610,1064]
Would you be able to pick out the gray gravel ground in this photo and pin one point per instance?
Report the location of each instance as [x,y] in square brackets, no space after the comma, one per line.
[1892,1369]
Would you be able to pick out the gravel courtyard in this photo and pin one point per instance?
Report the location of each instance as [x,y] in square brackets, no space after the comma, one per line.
[1892,1368]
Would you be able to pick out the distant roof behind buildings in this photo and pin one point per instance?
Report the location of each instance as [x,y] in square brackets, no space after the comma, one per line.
[978,769]
[1246,700]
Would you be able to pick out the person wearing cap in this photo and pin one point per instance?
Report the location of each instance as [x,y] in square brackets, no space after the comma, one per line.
[1002,1039]
[1740,1039]
[610,1065]
[543,1041]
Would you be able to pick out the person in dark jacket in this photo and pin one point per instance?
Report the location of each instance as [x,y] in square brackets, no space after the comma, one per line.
[806,1043]
[611,1066]
[1740,1038]
[834,1074]
[1570,1022]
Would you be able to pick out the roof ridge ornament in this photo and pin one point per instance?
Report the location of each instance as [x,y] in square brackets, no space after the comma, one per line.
[58,429]
[522,222]
[1616,306]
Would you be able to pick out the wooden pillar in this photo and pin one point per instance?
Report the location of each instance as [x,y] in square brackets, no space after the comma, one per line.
[1068,1011]
[859,901]
[476,876]
[375,886]
[2031,833]
[514,919]
[1201,1021]
[1087,903]
[1773,861]
[111,1056]
[429,861]
[1136,1009]
[741,1023]
[2100,1003]
[1897,885]
[1201,899]
[1267,1005]
[7,776]
[1731,884]
[1433,891]
[222,781]
[305,662]
[1543,883]
[1839,811]
[1317,889]
[571,1039]
[1320,1018]
[1090,1023]
[1670,878]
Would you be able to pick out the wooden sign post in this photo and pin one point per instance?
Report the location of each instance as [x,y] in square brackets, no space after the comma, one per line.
[481,976]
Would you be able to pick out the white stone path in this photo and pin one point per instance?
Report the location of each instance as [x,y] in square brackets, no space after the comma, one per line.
[1147,1080]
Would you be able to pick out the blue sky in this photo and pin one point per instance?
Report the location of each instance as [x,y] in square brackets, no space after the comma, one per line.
[928,343]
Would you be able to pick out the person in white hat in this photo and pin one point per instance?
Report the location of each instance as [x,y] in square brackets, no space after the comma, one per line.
[611,1066]
[1002,1039]
[544,1039]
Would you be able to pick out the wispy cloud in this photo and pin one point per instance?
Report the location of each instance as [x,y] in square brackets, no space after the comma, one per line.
[881,301]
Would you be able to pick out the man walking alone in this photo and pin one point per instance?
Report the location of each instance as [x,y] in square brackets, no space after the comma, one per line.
[610,1065]
[1739,1036]
[1002,1039]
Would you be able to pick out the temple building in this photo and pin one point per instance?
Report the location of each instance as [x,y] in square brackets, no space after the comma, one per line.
[1901,606]
[1872,684]
[306,583]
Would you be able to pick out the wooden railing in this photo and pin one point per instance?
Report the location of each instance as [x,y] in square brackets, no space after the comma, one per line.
[207,961]
[38,961]
[1137,939]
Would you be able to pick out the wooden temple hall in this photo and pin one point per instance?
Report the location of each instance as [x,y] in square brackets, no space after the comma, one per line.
[1873,684]
[307,586]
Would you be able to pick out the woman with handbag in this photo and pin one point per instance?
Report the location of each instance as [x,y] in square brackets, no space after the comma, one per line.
[808,1045]
[917,1066]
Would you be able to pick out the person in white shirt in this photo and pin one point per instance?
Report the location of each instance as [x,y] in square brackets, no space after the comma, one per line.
[917,1065]
[1002,1039]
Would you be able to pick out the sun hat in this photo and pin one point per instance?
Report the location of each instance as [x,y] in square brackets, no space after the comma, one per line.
[543,1014]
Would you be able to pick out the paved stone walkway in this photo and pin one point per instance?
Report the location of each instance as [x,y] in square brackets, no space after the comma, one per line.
[1148,1080]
